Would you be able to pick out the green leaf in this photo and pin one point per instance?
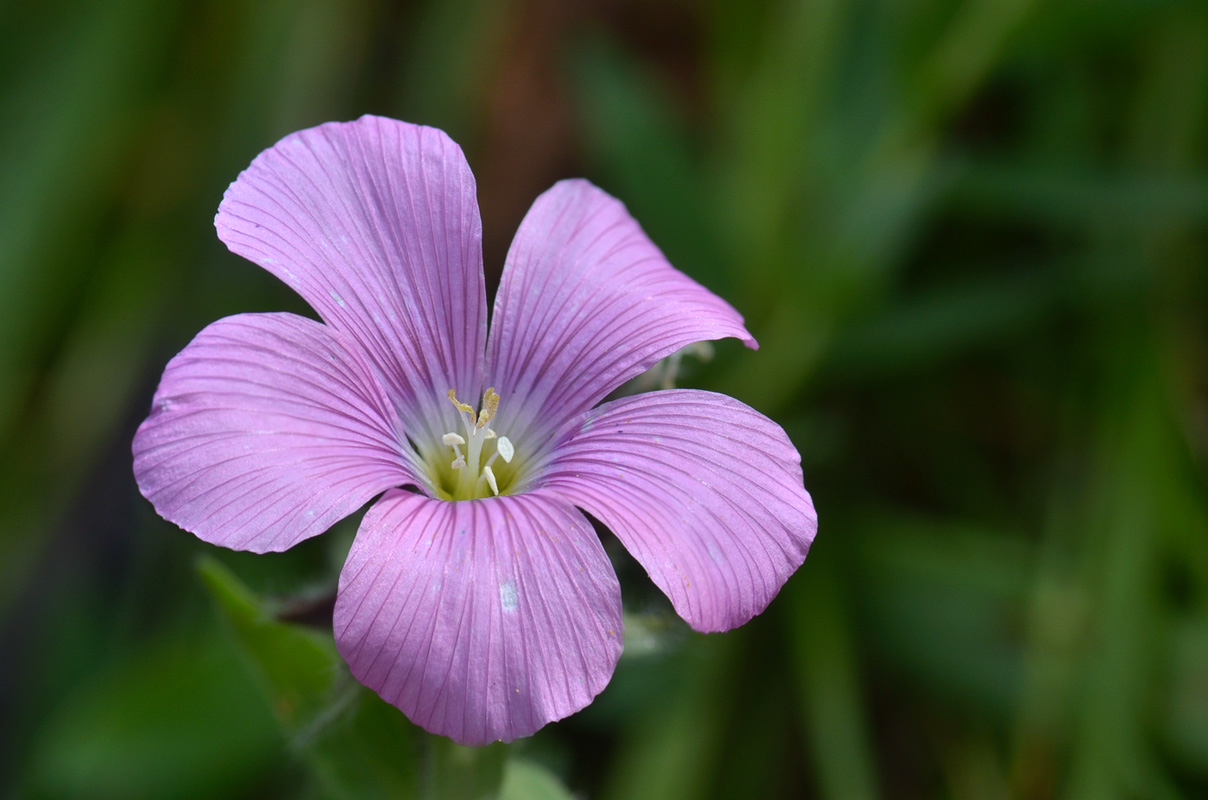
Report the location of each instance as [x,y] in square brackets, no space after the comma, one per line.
[827,671]
[354,743]
[464,773]
[525,780]
[176,718]
[297,664]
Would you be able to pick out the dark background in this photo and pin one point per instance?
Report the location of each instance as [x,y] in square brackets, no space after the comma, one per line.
[970,237]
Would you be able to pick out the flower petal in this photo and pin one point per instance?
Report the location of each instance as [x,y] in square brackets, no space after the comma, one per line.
[587,302]
[375,223]
[704,491]
[266,430]
[482,619]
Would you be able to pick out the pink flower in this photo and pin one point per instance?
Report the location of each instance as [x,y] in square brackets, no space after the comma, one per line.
[476,597]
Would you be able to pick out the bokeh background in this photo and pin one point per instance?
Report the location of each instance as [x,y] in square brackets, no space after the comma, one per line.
[970,236]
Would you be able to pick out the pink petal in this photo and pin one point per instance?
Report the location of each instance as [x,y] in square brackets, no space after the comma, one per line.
[266,430]
[587,302]
[482,619]
[704,491]
[375,223]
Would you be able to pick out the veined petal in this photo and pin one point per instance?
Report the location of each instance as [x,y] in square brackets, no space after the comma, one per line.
[375,223]
[587,302]
[704,491]
[481,620]
[266,430]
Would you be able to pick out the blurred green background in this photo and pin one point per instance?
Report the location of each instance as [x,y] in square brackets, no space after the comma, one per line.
[970,236]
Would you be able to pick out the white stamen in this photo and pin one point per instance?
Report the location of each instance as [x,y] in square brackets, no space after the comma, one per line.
[505,449]
[452,439]
[487,433]
[458,462]
[490,476]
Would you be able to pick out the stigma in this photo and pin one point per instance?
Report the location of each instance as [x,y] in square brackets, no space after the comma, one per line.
[472,467]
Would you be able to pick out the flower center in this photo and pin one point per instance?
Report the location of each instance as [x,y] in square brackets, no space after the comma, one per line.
[472,471]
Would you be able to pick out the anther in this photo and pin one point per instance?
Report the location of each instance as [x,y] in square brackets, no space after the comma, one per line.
[452,439]
[490,476]
[505,449]
[463,407]
[490,404]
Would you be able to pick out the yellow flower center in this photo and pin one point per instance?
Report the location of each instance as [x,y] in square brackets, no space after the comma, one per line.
[474,470]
